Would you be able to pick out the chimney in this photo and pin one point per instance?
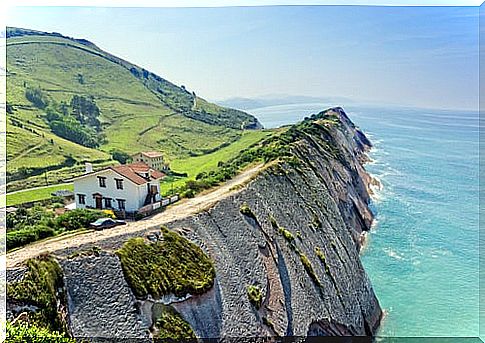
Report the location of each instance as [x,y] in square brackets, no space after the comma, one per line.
[89,168]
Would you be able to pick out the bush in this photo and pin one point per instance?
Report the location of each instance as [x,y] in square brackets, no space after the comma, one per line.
[18,238]
[36,97]
[120,156]
[173,265]
[78,218]
[321,257]
[188,193]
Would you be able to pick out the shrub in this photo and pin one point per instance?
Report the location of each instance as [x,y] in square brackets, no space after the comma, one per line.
[254,295]
[171,326]
[36,97]
[188,193]
[25,236]
[120,156]
[173,265]
[78,218]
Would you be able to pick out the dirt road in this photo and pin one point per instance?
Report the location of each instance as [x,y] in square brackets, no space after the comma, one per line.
[180,210]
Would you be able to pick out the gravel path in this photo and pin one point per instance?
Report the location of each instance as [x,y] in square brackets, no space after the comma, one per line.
[184,208]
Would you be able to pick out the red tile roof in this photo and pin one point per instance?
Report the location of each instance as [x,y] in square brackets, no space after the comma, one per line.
[152,153]
[135,172]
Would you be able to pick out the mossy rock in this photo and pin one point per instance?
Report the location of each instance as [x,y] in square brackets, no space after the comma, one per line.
[246,210]
[309,268]
[39,287]
[170,326]
[173,265]
[21,333]
[254,295]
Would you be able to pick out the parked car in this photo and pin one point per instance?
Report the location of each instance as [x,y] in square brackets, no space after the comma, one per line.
[106,223]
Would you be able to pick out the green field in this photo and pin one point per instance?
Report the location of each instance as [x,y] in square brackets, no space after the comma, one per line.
[192,166]
[35,194]
[195,165]
[138,111]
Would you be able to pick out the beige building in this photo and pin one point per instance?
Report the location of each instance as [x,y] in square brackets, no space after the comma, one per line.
[152,158]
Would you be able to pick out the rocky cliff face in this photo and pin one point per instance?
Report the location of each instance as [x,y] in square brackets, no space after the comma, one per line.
[297,241]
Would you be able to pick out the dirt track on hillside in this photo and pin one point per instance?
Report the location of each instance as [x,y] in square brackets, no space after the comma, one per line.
[177,211]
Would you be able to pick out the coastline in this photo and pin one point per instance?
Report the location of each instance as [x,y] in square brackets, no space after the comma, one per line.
[373,185]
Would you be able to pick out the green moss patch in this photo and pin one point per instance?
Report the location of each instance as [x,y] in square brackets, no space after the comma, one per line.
[254,295]
[309,268]
[287,235]
[21,333]
[246,210]
[321,257]
[39,287]
[173,265]
[171,326]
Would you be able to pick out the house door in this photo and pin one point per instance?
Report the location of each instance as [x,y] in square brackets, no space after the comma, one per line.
[153,189]
[99,201]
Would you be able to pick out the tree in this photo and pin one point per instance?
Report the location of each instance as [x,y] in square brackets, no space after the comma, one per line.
[36,97]
[120,156]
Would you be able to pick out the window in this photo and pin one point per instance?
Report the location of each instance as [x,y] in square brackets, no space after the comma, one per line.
[119,183]
[121,203]
[102,181]
[107,202]
[81,199]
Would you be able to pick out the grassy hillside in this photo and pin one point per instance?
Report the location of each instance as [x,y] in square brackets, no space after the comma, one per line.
[136,110]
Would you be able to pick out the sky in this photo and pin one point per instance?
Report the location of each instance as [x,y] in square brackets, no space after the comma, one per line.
[411,56]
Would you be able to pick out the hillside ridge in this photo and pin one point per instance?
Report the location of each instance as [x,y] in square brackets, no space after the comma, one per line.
[132,109]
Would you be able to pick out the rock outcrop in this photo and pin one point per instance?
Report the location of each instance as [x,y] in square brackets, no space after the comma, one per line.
[297,240]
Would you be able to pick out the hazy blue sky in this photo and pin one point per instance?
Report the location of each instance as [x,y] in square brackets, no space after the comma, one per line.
[417,56]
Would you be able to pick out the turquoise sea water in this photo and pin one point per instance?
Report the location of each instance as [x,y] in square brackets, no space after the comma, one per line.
[422,254]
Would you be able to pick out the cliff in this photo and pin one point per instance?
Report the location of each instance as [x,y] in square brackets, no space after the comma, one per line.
[285,248]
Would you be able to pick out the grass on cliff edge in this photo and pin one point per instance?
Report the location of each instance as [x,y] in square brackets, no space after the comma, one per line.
[21,333]
[172,265]
[39,288]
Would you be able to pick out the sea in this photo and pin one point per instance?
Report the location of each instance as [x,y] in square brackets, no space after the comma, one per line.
[422,255]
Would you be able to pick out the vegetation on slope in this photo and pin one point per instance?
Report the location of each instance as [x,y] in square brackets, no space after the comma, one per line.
[64,87]
[173,265]
[29,225]
[40,288]
[21,333]
[278,146]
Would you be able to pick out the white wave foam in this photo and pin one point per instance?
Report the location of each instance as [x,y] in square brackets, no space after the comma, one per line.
[393,254]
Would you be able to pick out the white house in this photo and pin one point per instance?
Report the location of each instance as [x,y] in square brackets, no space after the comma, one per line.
[153,158]
[127,187]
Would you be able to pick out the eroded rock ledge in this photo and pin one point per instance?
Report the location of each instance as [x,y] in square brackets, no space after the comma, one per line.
[293,232]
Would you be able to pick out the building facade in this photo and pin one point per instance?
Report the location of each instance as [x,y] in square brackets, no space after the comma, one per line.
[152,158]
[126,187]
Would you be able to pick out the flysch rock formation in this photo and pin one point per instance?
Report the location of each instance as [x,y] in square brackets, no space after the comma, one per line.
[322,201]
